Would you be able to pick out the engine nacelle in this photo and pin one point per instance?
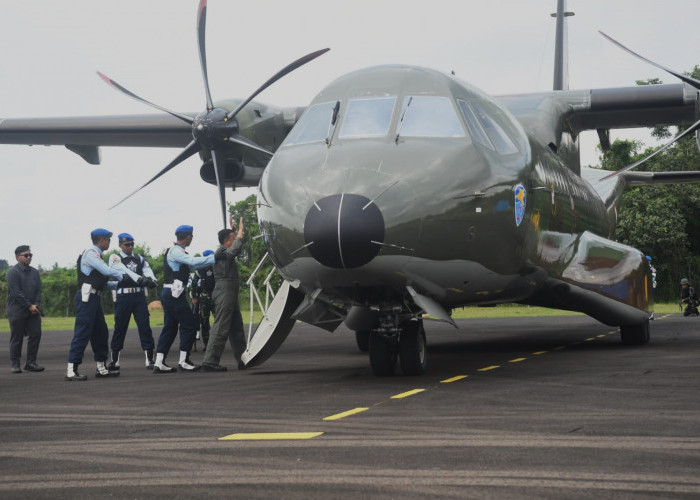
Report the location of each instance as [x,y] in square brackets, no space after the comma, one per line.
[235,174]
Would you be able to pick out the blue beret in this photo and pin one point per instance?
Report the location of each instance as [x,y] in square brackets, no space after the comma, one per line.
[125,237]
[207,252]
[101,232]
[184,229]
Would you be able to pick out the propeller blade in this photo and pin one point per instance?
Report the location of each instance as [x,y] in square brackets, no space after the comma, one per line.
[121,89]
[219,170]
[247,143]
[695,126]
[287,69]
[192,148]
[201,32]
[690,81]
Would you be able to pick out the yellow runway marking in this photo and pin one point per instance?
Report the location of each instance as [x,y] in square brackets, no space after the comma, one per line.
[453,379]
[407,394]
[590,338]
[348,413]
[559,348]
[487,368]
[540,352]
[601,335]
[266,436]
[517,360]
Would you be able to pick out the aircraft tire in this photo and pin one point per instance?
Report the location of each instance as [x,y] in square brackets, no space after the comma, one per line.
[635,334]
[382,355]
[362,339]
[413,355]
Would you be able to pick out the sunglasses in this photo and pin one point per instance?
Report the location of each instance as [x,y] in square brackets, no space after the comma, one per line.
[26,255]
[128,244]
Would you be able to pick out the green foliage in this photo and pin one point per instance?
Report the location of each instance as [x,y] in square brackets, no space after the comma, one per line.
[663,221]
[4,266]
[254,247]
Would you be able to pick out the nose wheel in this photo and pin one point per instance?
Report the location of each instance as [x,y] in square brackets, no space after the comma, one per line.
[406,344]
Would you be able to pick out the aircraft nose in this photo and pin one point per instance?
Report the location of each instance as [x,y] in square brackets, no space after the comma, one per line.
[344,231]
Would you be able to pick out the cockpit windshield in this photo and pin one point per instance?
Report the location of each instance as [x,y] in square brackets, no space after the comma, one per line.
[313,125]
[368,117]
[420,116]
[429,116]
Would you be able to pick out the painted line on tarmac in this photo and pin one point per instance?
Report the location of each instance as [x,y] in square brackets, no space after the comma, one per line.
[456,378]
[407,394]
[344,414]
[270,436]
[488,368]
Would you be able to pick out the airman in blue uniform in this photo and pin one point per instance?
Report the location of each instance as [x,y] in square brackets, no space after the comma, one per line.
[176,310]
[90,324]
[131,299]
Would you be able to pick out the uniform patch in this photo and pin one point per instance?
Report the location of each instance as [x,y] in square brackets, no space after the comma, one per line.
[520,202]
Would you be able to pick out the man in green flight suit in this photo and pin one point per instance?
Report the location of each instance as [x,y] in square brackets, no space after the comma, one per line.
[228,322]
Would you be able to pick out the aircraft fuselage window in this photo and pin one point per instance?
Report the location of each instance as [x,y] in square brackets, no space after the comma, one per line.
[499,138]
[368,117]
[313,125]
[429,116]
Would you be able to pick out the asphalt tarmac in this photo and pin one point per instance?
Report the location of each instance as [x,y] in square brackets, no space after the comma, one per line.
[509,408]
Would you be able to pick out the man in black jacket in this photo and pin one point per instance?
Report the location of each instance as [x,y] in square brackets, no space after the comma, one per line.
[24,310]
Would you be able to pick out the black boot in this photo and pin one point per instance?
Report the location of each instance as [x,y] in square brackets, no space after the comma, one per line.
[113,366]
[149,359]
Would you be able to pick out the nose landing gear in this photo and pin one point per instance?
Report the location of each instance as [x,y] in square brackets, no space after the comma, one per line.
[392,342]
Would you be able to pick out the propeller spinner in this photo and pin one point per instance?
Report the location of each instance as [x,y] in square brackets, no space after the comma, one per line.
[215,128]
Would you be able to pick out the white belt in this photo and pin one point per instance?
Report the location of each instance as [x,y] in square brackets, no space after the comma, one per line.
[168,286]
[94,291]
[130,290]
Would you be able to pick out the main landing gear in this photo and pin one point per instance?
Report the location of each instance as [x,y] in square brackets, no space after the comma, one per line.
[635,334]
[405,343]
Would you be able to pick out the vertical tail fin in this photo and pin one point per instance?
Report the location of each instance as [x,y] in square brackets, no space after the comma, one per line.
[561,48]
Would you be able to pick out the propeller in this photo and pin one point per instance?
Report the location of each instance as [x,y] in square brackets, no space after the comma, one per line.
[693,128]
[215,129]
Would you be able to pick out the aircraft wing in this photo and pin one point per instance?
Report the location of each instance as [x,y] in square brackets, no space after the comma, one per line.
[83,135]
[266,125]
[632,107]
[551,114]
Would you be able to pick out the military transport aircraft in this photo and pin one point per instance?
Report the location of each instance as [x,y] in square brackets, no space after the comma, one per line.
[400,193]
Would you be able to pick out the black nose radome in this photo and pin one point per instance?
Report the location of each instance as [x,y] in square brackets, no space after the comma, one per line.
[344,231]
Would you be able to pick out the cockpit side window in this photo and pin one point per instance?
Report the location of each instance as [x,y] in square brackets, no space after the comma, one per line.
[497,136]
[367,117]
[475,129]
[313,125]
[428,116]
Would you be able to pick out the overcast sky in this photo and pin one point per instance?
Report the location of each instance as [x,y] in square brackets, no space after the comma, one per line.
[51,199]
